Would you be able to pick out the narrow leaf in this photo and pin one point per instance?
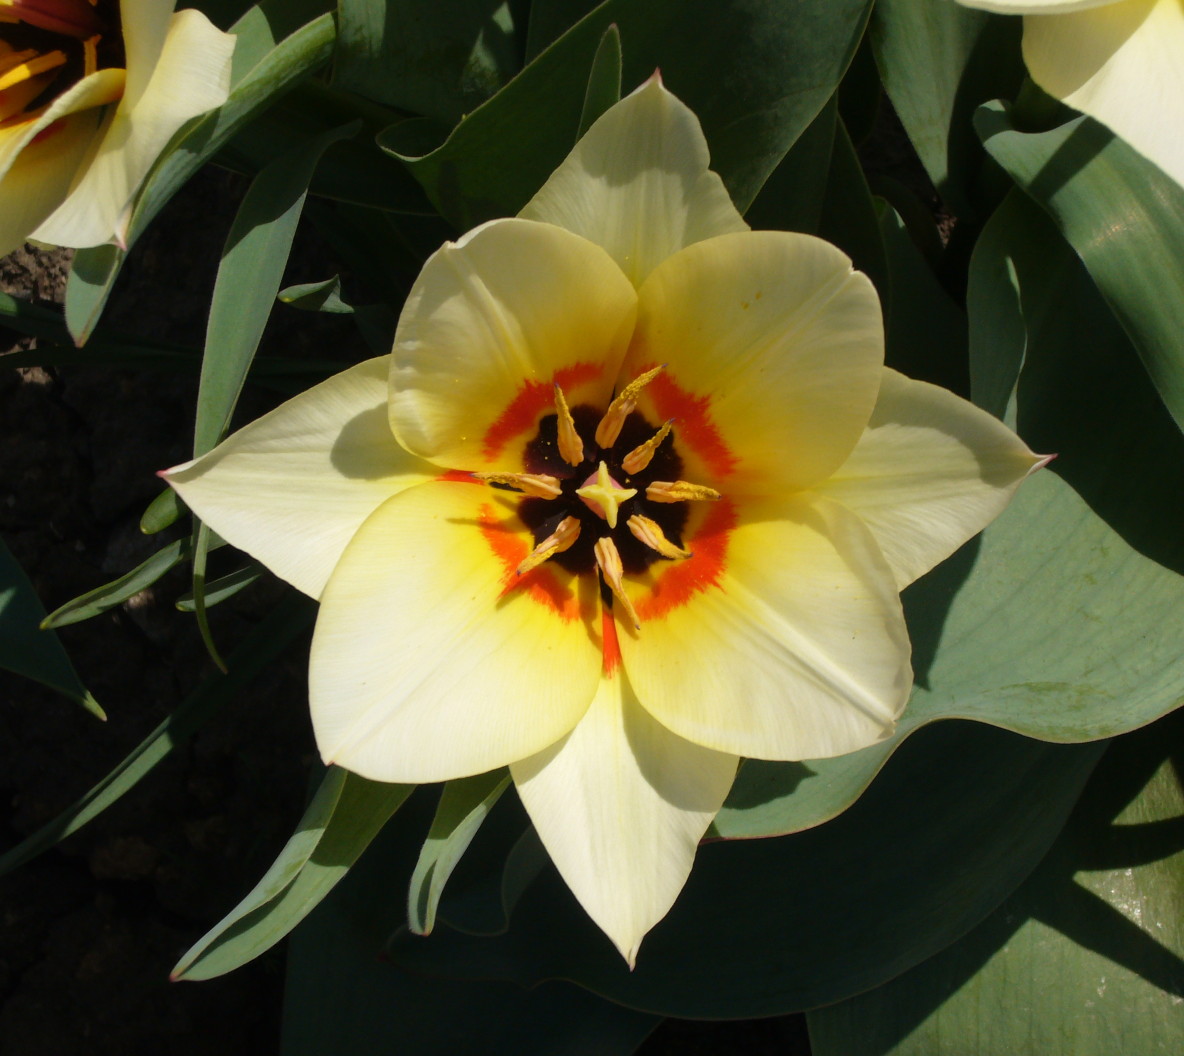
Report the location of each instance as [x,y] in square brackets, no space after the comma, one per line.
[604,80]
[162,512]
[224,587]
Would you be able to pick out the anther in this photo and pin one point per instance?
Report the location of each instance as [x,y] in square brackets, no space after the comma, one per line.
[678,491]
[566,533]
[571,446]
[30,65]
[540,485]
[626,400]
[605,496]
[609,560]
[650,533]
[640,456]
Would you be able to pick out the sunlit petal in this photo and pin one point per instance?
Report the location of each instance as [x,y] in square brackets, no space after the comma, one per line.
[930,471]
[493,321]
[797,650]
[1033,7]
[621,804]
[294,486]
[432,659]
[191,75]
[637,184]
[773,348]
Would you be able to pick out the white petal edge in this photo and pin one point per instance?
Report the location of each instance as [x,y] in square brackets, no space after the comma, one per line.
[621,804]
[1122,64]
[796,649]
[1033,7]
[930,471]
[191,75]
[638,184]
[430,660]
[293,487]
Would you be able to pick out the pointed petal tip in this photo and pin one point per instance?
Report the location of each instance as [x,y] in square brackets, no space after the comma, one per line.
[1041,462]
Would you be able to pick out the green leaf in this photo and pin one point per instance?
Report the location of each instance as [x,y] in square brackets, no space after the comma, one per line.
[266,64]
[1052,624]
[224,587]
[162,512]
[343,996]
[1124,218]
[939,60]
[464,805]
[769,70]
[604,82]
[954,823]
[439,60]
[1085,959]
[258,649]
[329,840]
[26,647]
[317,297]
[113,594]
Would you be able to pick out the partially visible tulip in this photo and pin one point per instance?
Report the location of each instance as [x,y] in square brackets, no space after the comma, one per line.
[90,95]
[1120,61]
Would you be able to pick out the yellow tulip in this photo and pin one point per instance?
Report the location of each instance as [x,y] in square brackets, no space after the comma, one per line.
[1120,61]
[633,496]
[90,94]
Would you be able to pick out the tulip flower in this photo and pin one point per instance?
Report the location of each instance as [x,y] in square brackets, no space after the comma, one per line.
[90,94]
[633,497]
[1120,61]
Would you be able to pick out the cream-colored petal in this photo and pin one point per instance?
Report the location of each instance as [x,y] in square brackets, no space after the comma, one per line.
[40,157]
[492,323]
[621,804]
[772,348]
[930,471]
[294,486]
[794,648]
[145,31]
[1033,7]
[432,659]
[637,183]
[191,76]
[1122,64]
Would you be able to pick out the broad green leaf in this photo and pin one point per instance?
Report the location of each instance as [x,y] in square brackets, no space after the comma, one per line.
[113,594]
[954,823]
[258,649]
[849,218]
[264,67]
[768,71]
[162,512]
[425,57]
[26,646]
[224,587]
[604,80]
[1123,217]
[1085,959]
[301,877]
[464,805]
[317,297]
[939,60]
[344,997]
[1053,623]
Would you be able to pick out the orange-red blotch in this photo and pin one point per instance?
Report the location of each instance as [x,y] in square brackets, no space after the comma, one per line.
[610,646]
[458,476]
[49,131]
[510,546]
[531,401]
[678,582]
[693,426]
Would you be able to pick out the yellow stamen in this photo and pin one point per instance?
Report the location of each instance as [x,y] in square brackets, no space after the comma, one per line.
[605,496]
[678,491]
[650,533]
[640,456]
[614,418]
[609,560]
[566,533]
[540,485]
[571,446]
[30,64]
